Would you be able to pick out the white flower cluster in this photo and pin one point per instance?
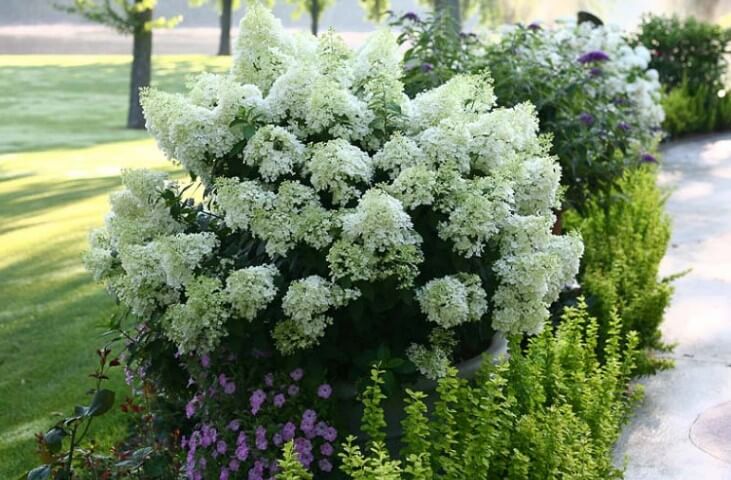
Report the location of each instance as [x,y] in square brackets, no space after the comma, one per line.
[453,300]
[533,269]
[306,303]
[251,289]
[332,157]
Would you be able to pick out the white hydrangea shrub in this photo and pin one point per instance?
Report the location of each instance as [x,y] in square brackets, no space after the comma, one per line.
[332,200]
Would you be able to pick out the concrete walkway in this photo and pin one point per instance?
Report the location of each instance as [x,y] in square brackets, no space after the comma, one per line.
[659,444]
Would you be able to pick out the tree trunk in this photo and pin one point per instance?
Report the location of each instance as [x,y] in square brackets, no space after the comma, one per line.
[224,45]
[141,68]
[315,15]
[451,9]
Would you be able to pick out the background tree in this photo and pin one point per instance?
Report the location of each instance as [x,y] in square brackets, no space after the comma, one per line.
[129,17]
[313,7]
[225,10]
[497,12]
[376,10]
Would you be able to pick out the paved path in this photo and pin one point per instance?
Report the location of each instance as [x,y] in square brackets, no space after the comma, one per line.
[658,443]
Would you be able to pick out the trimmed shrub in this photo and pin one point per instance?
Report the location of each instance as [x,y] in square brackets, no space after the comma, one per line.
[626,242]
[550,411]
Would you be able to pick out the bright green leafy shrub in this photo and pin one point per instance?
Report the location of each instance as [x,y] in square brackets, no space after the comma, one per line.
[625,244]
[695,111]
[552,410]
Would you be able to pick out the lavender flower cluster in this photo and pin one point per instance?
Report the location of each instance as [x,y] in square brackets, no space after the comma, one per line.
[265,416]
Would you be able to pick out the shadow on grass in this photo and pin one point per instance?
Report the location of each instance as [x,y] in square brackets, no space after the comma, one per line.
[38,197]
[51,322]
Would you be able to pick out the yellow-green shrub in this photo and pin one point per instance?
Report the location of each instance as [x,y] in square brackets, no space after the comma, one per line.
[625,242]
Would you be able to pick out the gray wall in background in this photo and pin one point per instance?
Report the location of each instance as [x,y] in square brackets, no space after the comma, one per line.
[346,15]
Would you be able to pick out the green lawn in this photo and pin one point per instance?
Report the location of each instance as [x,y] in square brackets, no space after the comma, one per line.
[61,150]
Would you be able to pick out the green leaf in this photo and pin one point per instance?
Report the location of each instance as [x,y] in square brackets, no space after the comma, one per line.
[81,411]
[40,473]
[101,403]
[54,438]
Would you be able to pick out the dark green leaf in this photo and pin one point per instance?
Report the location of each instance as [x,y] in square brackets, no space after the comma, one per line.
[40,473]
[54,438]
[101,403]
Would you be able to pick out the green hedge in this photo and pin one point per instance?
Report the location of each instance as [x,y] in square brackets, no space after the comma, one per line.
[624,245]
[552,410]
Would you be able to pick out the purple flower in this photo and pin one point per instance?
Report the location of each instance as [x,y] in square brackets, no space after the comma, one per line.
[410,16]
[279,400]
[331,434]
[593,56]
[534,26]
[624,126]
[269,380]
[221,447]
[257,471]
[325,465]
[293,390]
[224,474]
[234,425]
[647,158]
[310,415]
[277,439]
[586,118]
[194,441]
[297,374]
[427,67]
[596,72]
[261,438]
[288,431]
[242,453]
[326,449]
[222,380]
[205,361]
[209,435]
[324,391]
[302,445]
[321,429]
[256,400]
[229,388]
[306,459]
[190,408]
[242,439]
[233,465]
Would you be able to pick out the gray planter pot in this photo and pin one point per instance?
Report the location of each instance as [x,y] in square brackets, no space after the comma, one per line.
[351,409]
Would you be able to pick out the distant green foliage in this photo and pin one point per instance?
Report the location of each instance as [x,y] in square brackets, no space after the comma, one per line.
[686,50]
[553,410]
[125,16]
[699,111]
[624,245]
[690,56]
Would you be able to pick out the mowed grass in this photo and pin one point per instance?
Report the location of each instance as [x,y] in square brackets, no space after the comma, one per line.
[62,147]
